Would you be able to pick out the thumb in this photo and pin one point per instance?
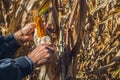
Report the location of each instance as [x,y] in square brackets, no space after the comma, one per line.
[27,37]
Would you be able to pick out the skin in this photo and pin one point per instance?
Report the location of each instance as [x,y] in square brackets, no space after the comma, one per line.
[43,53]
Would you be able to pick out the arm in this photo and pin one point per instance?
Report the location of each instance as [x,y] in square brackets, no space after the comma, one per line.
[16,69]
[8,45]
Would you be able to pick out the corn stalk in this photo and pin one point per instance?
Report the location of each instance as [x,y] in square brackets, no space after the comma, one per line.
[86,34]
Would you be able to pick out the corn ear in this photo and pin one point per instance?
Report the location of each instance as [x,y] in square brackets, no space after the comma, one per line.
[39,26]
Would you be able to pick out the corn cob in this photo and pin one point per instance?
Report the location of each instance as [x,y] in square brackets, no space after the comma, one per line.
[39,26]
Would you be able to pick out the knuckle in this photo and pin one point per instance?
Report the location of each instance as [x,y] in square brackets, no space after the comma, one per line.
[47,51]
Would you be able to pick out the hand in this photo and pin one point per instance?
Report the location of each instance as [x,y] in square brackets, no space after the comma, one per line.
[25,34]
[42,54]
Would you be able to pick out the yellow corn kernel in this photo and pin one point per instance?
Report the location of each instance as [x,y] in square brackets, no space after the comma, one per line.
[39,26]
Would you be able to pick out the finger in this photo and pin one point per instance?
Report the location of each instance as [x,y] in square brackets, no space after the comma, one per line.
[28,28]
[31,30]
[43,61]
[27,38]
[44,46]
[49,45]
[50,48]
[33,24]
[44,53]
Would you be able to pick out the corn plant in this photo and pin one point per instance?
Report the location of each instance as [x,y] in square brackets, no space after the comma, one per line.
[85,33]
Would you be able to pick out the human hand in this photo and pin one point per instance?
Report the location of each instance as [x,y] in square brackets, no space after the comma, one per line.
[42,54]
[25,34]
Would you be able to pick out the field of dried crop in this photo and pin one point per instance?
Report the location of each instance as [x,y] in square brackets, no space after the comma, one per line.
[86,34]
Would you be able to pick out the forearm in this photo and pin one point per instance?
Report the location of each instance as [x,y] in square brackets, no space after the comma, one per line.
[8,46]
[15,69]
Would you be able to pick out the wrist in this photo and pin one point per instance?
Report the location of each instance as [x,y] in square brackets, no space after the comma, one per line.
[25,65]
[32,59]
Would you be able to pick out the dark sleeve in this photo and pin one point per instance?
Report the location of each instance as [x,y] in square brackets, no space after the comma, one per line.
[8,46]
[15,69]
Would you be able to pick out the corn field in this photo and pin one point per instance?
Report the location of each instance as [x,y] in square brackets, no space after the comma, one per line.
[85,33]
